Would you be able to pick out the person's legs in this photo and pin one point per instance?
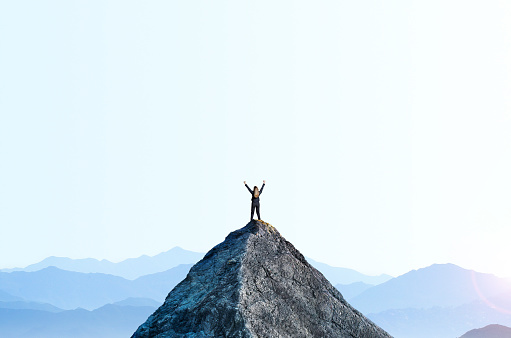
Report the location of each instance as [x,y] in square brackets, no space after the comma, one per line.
[257,210]
[252,211]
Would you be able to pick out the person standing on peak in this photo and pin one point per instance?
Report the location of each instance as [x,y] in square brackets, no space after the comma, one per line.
[255,199]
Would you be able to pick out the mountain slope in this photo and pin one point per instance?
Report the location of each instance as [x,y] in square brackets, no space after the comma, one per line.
[437,285]
[6,297]
[256,284]
[490,331]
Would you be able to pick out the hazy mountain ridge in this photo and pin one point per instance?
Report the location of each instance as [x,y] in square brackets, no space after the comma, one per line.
[337,275]
[109,321]
[130,268]
[420,300]
[350,291]
[6,297]
[444,285]
[445,322]
[138,301]
[419,321]
[24,305]
[133,268]
[54,286]
[70,290]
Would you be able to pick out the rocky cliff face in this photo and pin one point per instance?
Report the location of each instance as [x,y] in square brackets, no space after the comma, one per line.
[256,284]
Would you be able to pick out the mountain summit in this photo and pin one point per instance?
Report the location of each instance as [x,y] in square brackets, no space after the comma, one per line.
[256,284]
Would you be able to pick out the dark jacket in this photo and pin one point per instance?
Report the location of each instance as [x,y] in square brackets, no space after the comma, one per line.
[255,199]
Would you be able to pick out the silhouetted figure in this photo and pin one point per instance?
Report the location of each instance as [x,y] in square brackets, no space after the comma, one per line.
[255,199]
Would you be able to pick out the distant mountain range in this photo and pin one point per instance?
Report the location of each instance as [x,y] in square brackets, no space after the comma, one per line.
[445,322]
[346,276]
[63,297]
[133,268]
[109,321]
[442,300]
[444,285]
[89,283]
[24,305]
[70,290]
[352,290]
[5,297]
[130,268]
[138,301]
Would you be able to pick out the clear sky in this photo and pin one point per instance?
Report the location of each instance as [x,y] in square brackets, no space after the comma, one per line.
[382,128]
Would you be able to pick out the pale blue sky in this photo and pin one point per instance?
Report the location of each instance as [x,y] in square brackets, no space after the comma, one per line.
[382,129]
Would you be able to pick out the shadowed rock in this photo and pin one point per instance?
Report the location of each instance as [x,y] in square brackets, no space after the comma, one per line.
[256,284]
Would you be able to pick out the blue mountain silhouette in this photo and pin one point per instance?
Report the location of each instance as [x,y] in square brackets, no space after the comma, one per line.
[336,275]
[437,285]
[69,290]
[446,322]
[109,321]
[130,268]
[489,331]
[352,290]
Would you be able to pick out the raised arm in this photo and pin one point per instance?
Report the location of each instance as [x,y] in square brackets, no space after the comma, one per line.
[247,186]
[262,187]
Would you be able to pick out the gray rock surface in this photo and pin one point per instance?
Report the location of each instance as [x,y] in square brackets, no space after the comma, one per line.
[256,284]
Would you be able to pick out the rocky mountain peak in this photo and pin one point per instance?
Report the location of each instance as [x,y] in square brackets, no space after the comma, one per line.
[256,284]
